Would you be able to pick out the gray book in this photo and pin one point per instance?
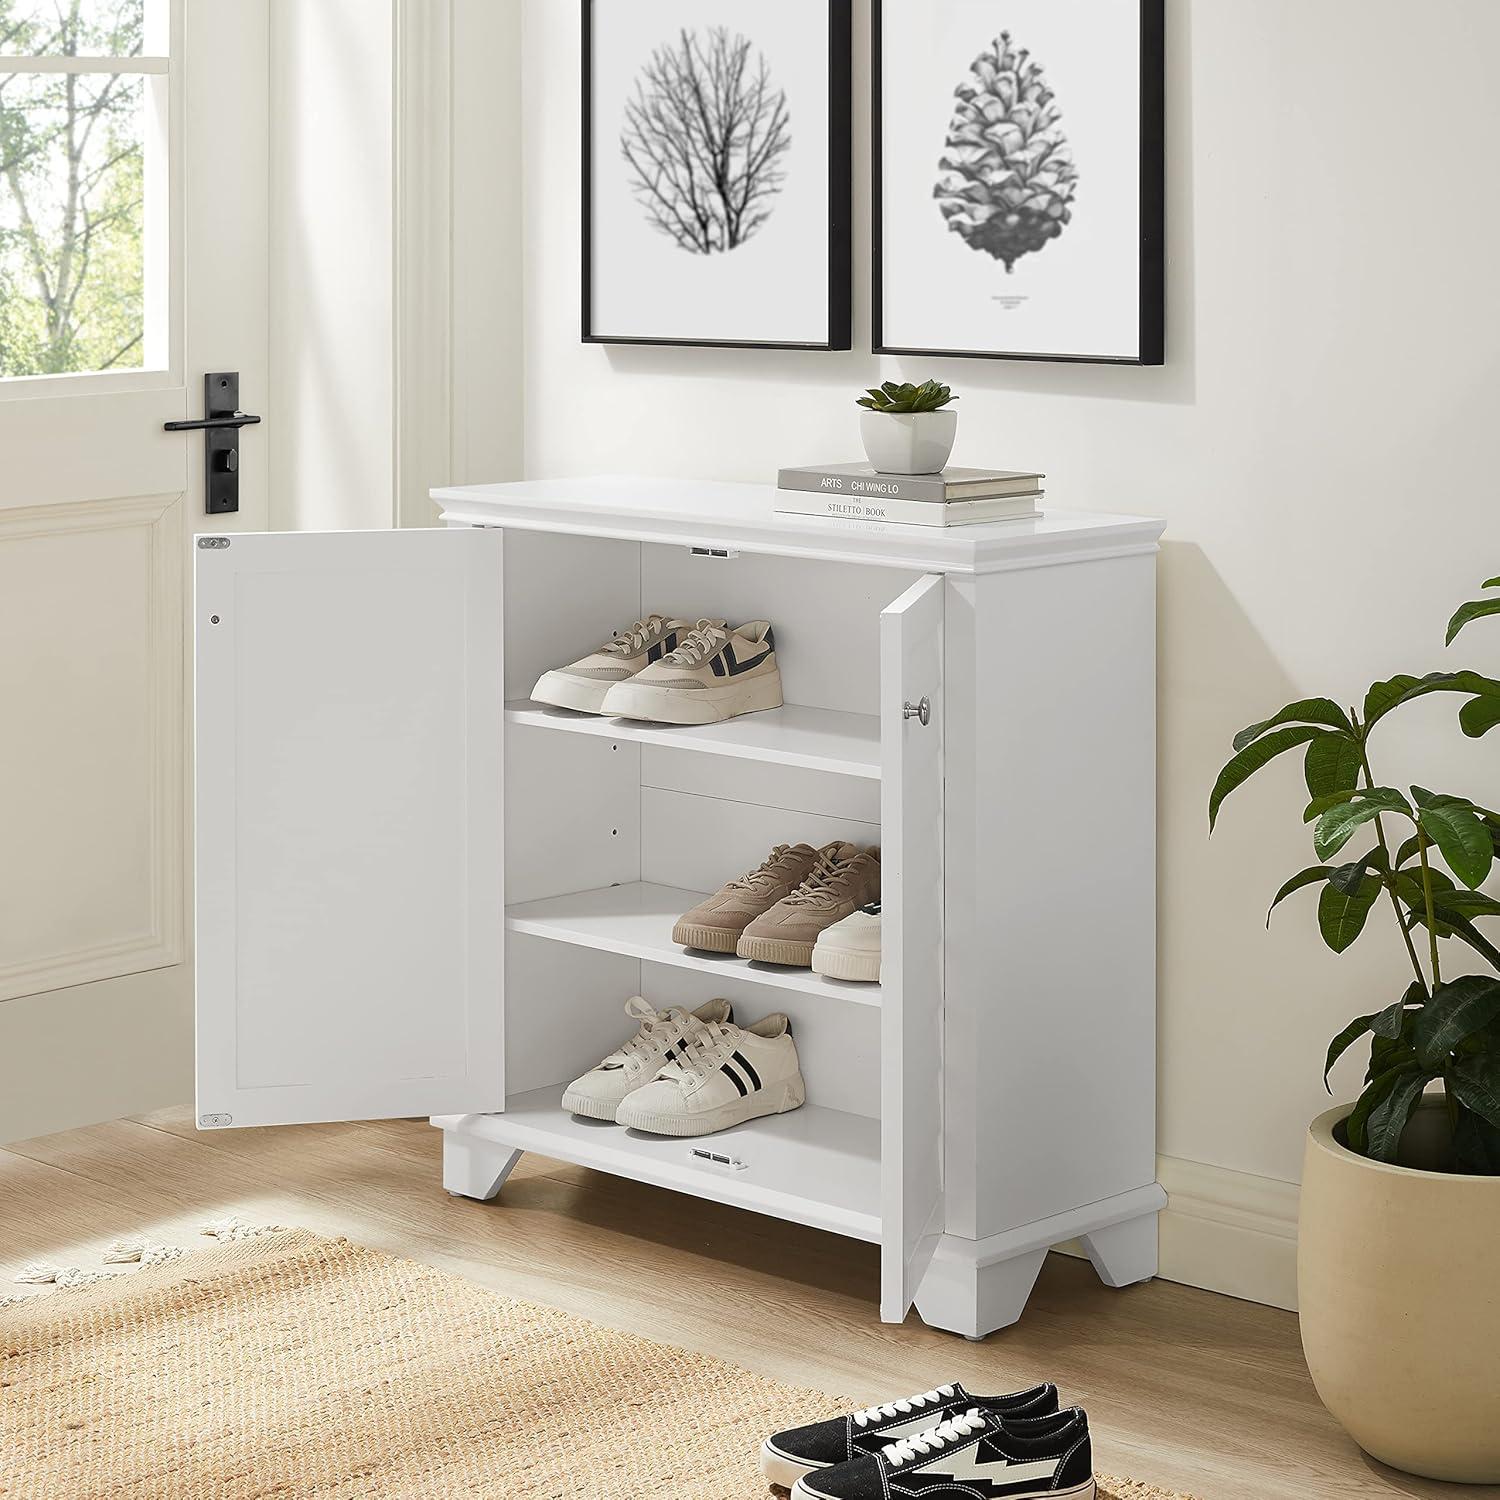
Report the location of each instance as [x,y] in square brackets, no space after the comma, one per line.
[952,484]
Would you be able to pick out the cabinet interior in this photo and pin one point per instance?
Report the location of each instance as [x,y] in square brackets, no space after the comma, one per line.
[589,814]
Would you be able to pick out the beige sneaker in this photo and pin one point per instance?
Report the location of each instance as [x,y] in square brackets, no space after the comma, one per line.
[582,684]
[850,949]
[713,674]
[846,878]
[662,1034]
[715,925]
[730,1074]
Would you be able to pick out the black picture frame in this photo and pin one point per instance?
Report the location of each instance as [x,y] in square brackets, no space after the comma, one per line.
[840,333]
[1151,344]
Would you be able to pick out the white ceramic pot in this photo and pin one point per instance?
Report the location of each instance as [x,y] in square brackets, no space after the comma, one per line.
[1398,1286]
[908,442]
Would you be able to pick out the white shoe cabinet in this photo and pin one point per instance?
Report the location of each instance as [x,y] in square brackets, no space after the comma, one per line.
[418,893]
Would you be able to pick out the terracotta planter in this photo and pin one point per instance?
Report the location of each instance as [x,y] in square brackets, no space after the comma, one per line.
[1398,1276]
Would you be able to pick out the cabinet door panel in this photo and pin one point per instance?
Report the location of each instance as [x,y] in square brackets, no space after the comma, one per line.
[911,666]
[350,910]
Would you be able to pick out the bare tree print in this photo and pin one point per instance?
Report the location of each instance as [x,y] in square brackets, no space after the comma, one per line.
[706,138]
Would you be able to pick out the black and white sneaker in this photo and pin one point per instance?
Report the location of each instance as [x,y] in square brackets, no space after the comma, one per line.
[972,1456]
[785,1457]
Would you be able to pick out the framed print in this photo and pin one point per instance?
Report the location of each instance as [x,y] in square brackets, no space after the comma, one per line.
[1018,170]
[716,175]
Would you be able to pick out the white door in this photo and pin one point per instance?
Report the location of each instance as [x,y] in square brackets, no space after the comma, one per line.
[351,911]
[133,256]
[911,879]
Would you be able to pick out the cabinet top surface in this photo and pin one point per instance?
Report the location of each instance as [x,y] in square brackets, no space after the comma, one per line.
[712,513]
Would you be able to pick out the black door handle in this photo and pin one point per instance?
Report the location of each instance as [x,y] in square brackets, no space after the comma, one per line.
[220,425]
[209,424]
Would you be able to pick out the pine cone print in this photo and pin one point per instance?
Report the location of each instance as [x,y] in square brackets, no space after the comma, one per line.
[1008,177]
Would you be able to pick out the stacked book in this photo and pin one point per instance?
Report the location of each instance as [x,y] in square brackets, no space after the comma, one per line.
[955,497]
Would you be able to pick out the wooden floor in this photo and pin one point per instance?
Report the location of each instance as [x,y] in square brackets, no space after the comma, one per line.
[1183,1388]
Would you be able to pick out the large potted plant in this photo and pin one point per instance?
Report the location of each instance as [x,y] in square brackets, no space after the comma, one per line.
[1398,1260]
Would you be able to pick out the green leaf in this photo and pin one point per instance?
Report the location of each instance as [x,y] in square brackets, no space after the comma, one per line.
[1466,614]
[1454,924]
[1320,805]
[1456,1011]
[1392,1020]
[1342,1043]
[1469,903]
[1408,850]
[1387,1120]
[1475,1082]
[1350,878]
[1341,917]
[1252,758]
[1339,824]
[1384,696]
[1309,876]
[1476,1145]
[1376,1090]
[1479,715]
[1332,762]
[1463,839]
[1304,711]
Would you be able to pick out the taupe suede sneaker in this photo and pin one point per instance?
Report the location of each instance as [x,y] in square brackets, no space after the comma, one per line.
[845,878]
[714,674]
[715,925]
[582,684]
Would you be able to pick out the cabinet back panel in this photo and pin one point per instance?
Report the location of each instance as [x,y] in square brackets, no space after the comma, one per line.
[700,842]
[564,597]
[826,615]
[791,787]
[572,813]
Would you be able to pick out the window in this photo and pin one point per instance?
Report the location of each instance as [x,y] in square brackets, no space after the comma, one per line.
[83,193]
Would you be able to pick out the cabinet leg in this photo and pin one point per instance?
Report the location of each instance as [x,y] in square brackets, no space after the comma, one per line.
[976,1300]
[475,1169]
[1124,1253]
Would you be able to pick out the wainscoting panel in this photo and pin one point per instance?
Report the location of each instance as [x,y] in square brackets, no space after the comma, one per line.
[91,742]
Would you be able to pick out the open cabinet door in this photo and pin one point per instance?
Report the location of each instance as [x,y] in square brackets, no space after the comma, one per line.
[911,880]
[350,910]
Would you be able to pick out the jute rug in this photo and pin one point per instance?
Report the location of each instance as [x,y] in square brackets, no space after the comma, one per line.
[295,1366]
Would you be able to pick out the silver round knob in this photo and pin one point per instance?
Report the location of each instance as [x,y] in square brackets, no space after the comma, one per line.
[921,711]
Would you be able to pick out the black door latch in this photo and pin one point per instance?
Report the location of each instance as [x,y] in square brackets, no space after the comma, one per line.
[220,425]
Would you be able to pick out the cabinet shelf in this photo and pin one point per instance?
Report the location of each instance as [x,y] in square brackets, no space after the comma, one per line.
[637,920]
[813,1165]
[815,739]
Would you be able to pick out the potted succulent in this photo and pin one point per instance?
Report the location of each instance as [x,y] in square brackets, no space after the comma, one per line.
[908,429]
[1398,1260]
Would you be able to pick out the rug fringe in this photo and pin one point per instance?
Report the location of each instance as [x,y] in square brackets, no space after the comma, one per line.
[131,1252]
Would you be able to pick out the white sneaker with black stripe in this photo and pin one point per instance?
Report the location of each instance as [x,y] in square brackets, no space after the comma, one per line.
[728,1075]
[660,1036]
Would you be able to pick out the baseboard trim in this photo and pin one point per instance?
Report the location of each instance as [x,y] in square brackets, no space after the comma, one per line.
[1227,1231]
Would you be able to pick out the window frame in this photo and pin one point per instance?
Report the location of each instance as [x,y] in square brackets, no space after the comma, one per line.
[163,212]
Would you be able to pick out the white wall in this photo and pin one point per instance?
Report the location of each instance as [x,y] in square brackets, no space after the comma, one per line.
[332,264]
[1320,442]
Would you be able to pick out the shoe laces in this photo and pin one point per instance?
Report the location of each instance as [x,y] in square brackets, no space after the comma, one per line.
[762,877]
[632,642]
[709,1041]
[699,643]
[646,1043]
[935,1439]
[826,882]
[904,1407]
